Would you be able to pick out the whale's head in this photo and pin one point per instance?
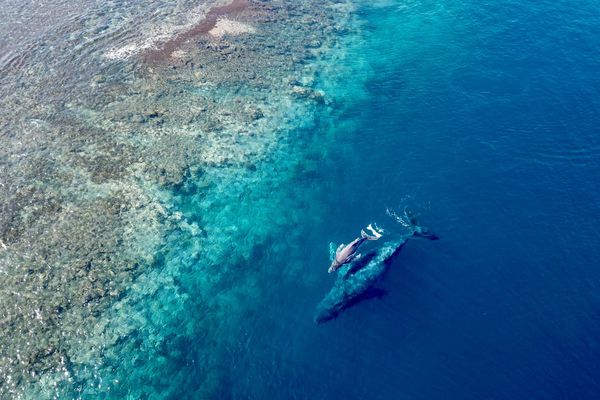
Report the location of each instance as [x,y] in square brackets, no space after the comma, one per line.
[334,266]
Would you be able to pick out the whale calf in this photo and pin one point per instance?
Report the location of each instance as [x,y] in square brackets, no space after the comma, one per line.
[347,253]
[355,279]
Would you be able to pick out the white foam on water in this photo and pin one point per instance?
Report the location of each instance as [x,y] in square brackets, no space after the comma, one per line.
[397,218]
[332,250]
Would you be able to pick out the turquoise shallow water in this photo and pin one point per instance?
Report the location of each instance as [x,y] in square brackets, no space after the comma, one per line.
[481,117]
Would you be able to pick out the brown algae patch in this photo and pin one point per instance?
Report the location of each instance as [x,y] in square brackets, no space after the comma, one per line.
[210,20]
[156,35]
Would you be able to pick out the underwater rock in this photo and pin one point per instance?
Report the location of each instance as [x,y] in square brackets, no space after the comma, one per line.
[255,113]
[308,93]
[313,44]
[300,91]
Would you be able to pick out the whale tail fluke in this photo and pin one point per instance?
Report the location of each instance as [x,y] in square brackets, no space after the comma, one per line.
[423,232]
[418,229]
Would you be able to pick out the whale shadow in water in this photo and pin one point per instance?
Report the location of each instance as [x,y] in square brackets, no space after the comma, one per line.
[371,292]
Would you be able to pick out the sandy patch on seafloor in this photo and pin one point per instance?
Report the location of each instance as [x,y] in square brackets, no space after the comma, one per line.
[226,26]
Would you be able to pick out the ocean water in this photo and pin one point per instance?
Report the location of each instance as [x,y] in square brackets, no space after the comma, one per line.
[479,116]
[482,116]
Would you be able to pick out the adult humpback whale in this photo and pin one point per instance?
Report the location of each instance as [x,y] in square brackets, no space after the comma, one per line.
[355,279]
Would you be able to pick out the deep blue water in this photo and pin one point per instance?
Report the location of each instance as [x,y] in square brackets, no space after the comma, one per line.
[483,116]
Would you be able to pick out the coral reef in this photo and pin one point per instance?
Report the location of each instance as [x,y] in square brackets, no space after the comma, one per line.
[104,148]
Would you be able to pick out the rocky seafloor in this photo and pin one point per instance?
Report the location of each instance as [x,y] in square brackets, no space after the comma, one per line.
[108,139]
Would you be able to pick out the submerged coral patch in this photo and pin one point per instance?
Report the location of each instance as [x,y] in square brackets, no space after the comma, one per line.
[125,184]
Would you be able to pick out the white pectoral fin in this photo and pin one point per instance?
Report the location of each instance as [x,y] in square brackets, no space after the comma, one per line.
[352,257]
[374,231]
[340,247]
